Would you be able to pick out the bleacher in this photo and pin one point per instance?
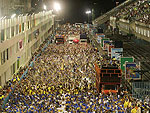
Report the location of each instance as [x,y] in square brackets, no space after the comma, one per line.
[105,17]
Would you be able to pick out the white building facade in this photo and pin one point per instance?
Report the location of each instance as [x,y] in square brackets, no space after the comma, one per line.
[19,38]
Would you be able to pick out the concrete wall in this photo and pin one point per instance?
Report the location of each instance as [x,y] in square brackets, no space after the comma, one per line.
[140,30]
[19,38]
[124,26]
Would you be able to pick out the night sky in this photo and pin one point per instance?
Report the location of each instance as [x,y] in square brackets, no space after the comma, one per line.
[74,10]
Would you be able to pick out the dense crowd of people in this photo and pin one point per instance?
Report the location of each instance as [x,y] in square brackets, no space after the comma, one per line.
[62,80]
[137,11]
[11,83]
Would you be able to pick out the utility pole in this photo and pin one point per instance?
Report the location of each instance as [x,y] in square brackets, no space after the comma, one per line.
[93,14]
[88,13]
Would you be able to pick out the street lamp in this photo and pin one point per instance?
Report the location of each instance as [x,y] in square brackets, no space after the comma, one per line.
[44,7]
[88,12]
[57,6]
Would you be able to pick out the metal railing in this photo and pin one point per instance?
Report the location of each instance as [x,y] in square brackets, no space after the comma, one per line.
[140,89]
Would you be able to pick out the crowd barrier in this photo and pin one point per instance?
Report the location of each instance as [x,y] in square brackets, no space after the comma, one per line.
[25,73]
[141,89]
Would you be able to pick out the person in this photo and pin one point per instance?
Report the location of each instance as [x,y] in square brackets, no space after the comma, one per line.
[62,80]
[126,105]
[134,110]
[139,109]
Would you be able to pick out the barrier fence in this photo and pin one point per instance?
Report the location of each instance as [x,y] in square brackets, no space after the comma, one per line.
[140,89]
[137,90]
[25,73]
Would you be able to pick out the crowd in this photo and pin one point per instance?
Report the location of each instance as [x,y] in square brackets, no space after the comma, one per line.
[11,83]
[63,80]
[71,30]
[137,11]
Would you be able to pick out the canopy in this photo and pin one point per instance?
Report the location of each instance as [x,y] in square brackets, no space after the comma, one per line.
[75,40]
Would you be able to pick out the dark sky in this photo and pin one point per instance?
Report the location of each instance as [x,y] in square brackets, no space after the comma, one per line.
[74,10]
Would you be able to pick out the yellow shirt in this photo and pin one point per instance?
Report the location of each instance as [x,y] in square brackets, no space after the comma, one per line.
[49,88]
[14,80]
[33,93]
[18,79]
[126,104]
[129,105]
[133,110]
[53,87]
[30,91]
[1,97]
[41,91]
[61,91]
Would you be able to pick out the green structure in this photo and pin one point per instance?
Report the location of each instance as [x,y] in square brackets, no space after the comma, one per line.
[103,40]
[124,60]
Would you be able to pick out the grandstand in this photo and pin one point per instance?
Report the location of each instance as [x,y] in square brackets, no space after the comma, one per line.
[137,11]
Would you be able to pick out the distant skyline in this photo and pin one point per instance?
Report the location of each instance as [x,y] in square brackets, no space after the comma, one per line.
[74,10]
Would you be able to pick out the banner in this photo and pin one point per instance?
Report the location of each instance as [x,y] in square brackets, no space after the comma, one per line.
[105,42]
[130,71]
[100,35]
[99,40]
[116,53]
[124,60]
[109,49]
[20,45]
[107,46]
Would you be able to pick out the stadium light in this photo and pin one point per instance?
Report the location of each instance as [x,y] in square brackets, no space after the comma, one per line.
[12,16]
[57,6]
[44,7]
[88,12]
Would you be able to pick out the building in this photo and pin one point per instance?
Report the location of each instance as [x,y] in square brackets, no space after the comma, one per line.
[19,38]
[139,29]
[8,7]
